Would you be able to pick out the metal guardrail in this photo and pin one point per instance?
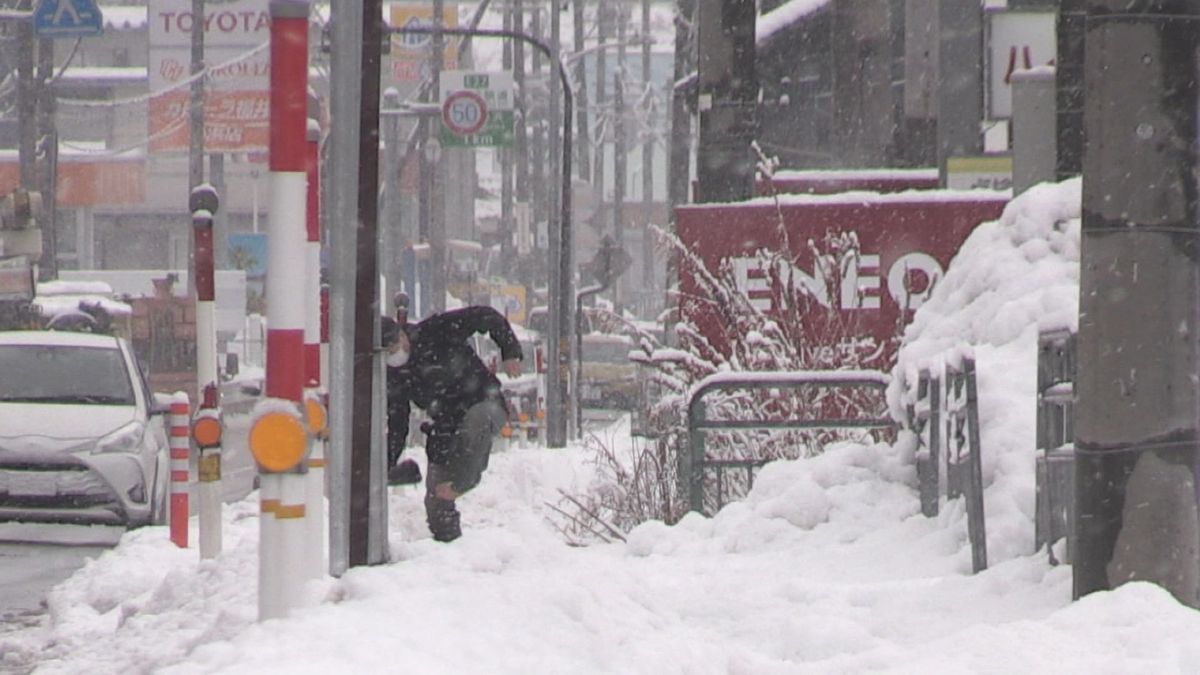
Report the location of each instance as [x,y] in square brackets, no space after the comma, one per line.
[1055,515]
[945,418]
[693,461]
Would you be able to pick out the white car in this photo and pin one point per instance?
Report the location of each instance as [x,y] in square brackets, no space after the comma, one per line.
[82,439]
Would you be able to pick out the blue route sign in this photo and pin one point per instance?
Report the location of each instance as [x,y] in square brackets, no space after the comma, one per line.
[67,18]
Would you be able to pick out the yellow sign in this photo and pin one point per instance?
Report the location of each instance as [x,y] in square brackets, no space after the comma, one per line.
[410,51]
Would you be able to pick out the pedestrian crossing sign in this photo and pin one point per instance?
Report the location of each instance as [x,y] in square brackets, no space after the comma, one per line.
[67,18]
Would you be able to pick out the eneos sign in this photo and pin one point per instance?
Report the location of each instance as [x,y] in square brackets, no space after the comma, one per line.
[846,271]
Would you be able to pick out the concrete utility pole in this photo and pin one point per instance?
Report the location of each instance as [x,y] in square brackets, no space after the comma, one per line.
[960,81]
[728,101]
[1068,71]
[1137,410]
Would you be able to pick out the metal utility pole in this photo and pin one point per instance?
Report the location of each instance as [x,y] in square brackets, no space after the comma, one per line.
[26,102]
[348,488]
[368,496]
[583,151]
[1137,408]
[603,31]
[196,111]
[389,210]
[521,144]
[47,132]
[507,226]
[216,177]
[537,142]
[647,162]
[620,166]
[960,81]
[432,154]
[728,103]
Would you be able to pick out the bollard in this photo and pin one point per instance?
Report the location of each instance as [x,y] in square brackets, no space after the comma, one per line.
[279,442]
[180,450]
[272,601]
[206,433]
[314,485]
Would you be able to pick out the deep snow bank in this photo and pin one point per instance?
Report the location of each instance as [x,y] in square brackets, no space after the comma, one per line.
[1013,278]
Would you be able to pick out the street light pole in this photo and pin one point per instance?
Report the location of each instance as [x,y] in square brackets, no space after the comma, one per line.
[562,297]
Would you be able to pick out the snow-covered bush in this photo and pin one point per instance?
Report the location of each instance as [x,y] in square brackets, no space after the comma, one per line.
[736,336]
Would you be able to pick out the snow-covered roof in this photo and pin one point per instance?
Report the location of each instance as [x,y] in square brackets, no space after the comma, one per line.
[123,17]
[783,16]
[863,197]
[106,75]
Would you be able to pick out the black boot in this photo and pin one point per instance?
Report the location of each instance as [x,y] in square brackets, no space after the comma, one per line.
[405,473]
[443,519]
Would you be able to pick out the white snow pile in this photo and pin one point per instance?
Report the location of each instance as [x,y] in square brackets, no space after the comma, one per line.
[1011,279]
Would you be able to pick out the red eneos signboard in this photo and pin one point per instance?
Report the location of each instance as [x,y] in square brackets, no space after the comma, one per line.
[851,271]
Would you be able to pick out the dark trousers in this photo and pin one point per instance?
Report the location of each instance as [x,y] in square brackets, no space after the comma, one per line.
[459,457]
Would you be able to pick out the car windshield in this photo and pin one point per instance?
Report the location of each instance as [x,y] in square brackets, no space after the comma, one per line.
[64,374]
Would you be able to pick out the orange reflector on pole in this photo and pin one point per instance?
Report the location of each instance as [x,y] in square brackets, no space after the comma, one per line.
[314,413]
[206,431]
[278,441]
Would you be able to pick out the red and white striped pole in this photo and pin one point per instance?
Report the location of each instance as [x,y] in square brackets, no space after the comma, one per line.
[204,202]
[315,479]
[180,443]
[279,439]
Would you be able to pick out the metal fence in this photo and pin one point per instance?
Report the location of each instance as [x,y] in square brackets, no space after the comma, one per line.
[694,462]
[943,413]
[1055,442]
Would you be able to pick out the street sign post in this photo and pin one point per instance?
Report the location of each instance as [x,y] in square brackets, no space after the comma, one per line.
[477,108]
[67,19]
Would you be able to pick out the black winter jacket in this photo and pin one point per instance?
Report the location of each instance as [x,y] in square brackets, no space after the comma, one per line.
[443,375]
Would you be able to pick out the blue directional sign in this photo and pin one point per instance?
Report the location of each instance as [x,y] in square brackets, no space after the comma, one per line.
[67,18]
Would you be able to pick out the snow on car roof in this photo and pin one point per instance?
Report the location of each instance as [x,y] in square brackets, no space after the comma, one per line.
[57,338]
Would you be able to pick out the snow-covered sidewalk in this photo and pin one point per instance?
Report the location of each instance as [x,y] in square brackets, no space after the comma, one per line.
[826,567]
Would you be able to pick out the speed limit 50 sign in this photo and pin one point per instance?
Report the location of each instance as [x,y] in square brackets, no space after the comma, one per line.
[477,108]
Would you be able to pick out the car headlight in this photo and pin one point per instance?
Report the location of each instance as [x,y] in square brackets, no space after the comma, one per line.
[125,439]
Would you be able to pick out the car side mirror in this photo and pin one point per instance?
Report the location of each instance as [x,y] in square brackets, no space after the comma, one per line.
[161,404]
